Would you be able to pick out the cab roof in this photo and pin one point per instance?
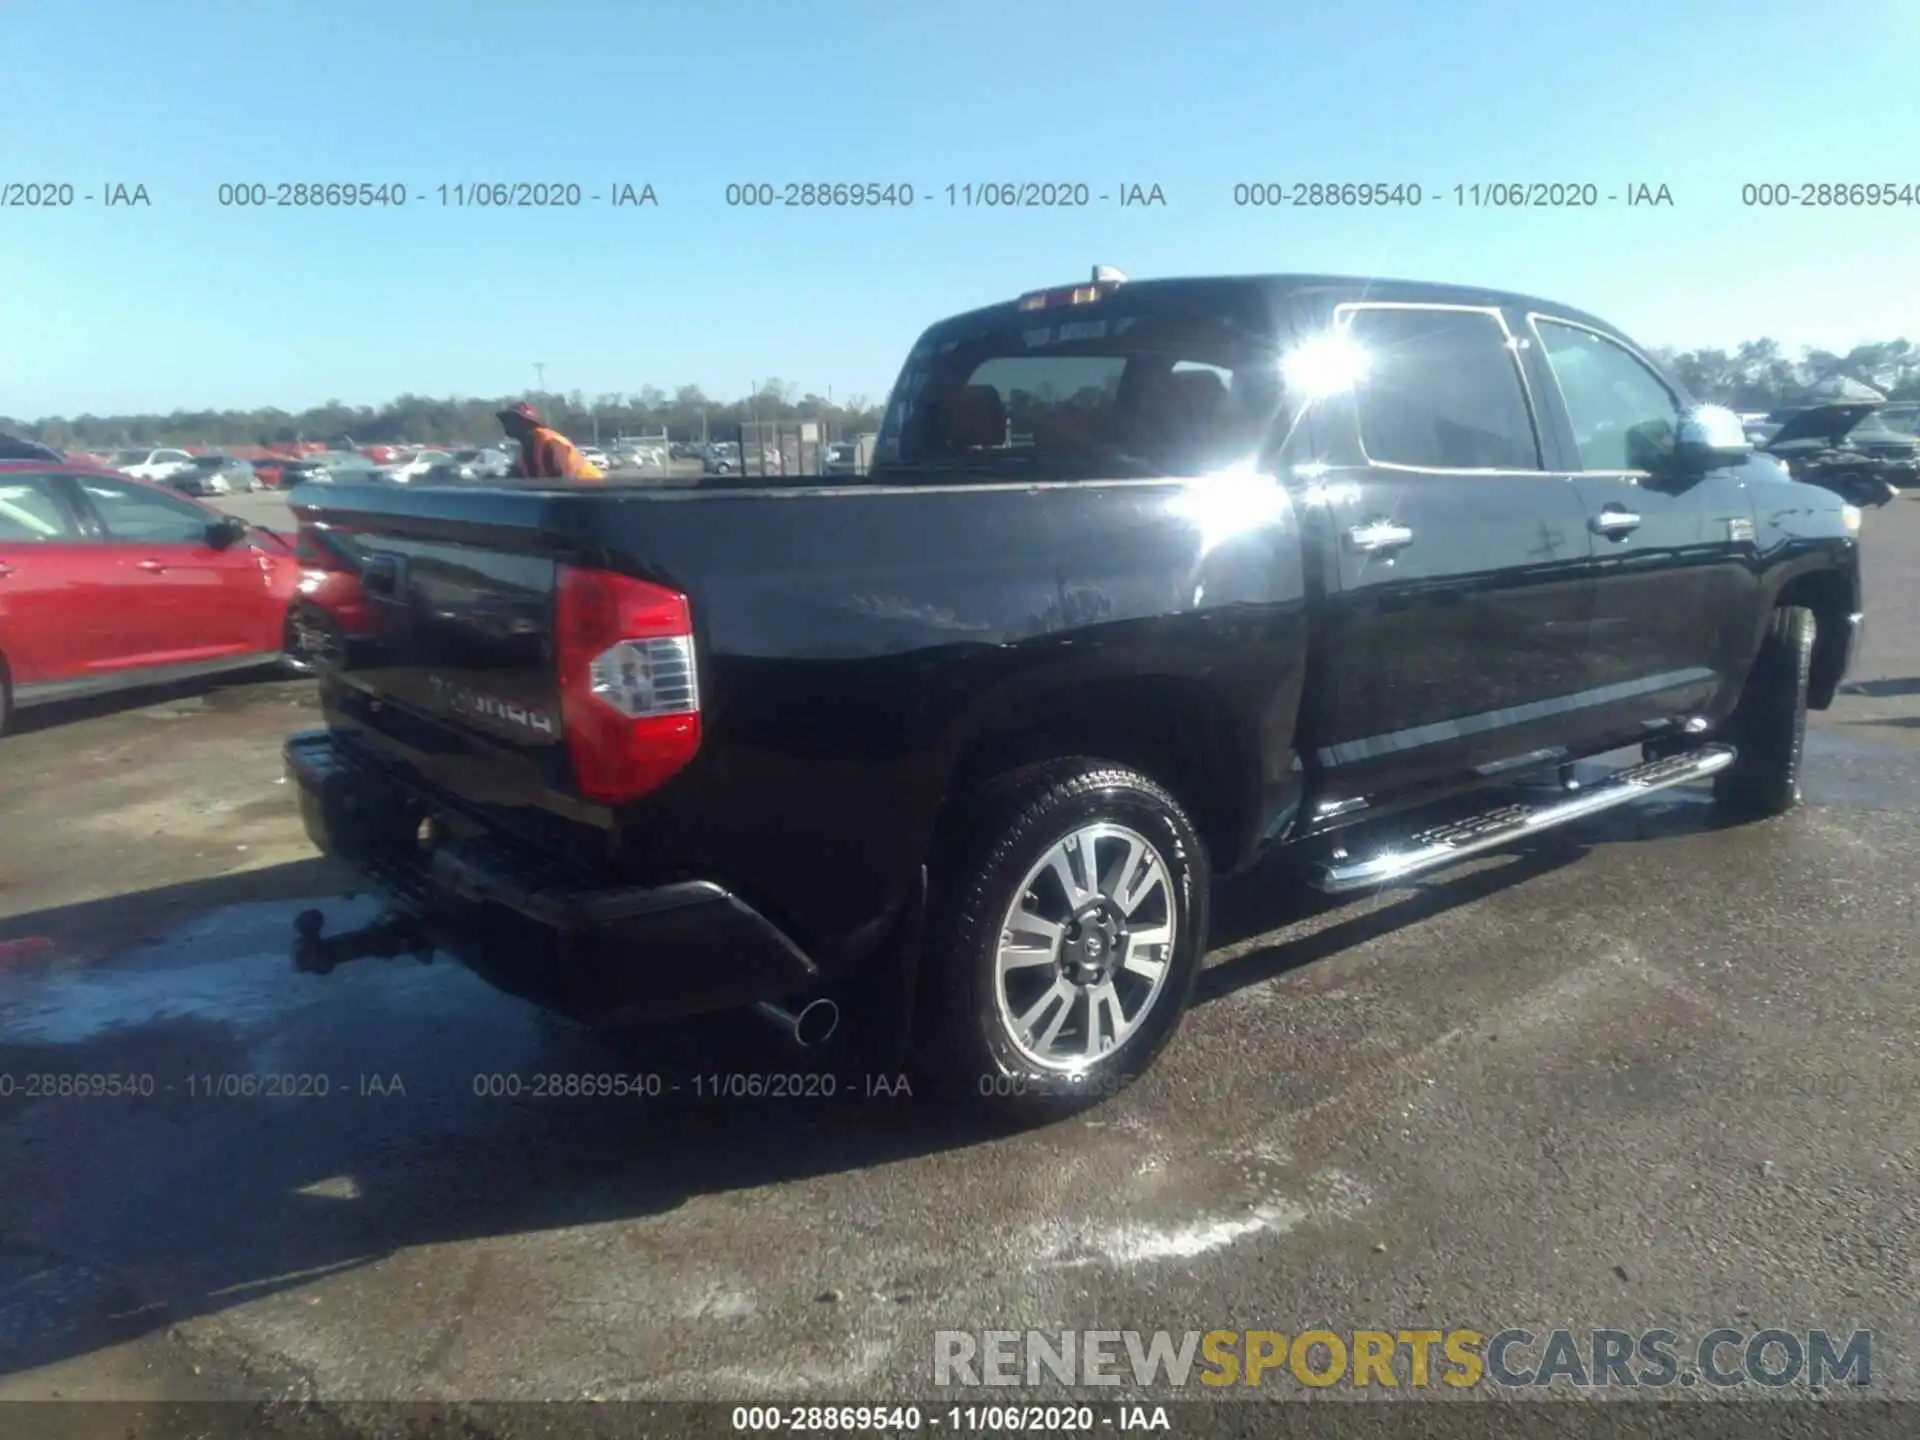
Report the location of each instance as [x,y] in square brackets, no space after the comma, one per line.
[1275,288]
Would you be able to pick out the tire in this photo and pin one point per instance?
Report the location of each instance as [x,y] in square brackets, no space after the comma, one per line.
[1769,725]
[6,697]
[970,1047]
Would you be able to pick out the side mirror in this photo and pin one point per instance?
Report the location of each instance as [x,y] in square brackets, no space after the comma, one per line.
[224,534]
[1710,437]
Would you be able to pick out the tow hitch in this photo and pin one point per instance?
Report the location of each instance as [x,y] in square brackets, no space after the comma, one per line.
[387,938]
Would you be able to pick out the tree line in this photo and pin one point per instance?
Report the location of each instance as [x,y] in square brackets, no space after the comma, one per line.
[687,414]
[1755,375]
[1763,374]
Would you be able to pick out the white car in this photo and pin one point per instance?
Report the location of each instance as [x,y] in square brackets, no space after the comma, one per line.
[156,465]
[596,457]
[415,466]
[487,463]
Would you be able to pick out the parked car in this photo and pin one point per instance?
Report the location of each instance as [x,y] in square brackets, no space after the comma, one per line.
[203,475]
[415,467]
[1902,416]
[1282,562]
[1841,447]
[108,582]
[596,457]
[215,475]
[720,459]
[1877,436]
[18,447]
[160,465]
[342,465]
[483,464]
[304,471]
[330,611]
[840,458]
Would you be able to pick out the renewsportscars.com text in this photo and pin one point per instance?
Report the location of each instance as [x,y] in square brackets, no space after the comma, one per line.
[1510,1358]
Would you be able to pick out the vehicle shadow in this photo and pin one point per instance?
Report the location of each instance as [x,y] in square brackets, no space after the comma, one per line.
[233,686]
[123,1216]
[1883,689]
[1284,899]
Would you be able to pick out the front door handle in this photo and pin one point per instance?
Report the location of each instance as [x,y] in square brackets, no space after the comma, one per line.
[1378,535]
[5,570]
[1614,521]
[152,567]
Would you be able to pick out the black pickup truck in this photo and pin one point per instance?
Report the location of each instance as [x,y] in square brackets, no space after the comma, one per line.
[1146,578]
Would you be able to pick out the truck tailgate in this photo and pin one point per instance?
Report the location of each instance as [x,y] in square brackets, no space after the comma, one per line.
[459,599]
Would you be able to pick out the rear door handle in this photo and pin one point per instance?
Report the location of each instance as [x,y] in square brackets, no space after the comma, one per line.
[5,570]
[1614,521]
[1378,535]
[152,567]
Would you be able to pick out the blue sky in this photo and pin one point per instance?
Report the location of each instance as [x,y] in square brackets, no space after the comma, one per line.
[185,304]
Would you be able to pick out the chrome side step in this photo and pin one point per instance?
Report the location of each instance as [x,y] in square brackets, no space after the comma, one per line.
[1444,844]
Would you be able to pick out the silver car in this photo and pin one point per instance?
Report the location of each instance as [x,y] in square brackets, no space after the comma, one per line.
[203,475]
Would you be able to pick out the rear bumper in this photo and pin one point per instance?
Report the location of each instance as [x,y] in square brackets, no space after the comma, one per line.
[530,923]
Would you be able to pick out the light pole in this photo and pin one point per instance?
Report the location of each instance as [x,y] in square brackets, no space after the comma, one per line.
[540,377]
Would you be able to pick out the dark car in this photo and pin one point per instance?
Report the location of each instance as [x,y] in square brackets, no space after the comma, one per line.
[1903,417]
[1843,447]
[1878,436]
[328,467]
[18,447]
[214,475]
[1146,579]
[842,457]
[301,471]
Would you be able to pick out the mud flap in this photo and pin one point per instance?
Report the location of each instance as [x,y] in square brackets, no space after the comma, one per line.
[883,1036]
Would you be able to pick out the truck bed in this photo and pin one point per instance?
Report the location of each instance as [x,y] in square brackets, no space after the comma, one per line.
[849,641]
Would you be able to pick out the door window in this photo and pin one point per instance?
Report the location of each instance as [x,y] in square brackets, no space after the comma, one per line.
[139,514]
[1442,391]
[1623,415]
[31,513]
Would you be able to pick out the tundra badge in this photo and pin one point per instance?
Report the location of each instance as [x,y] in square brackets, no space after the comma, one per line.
[475,705]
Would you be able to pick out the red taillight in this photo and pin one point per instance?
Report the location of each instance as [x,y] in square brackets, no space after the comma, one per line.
[629,695]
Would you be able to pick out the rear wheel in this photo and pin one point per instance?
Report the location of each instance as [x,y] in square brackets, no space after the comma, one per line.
[1769,726]
[1069,920]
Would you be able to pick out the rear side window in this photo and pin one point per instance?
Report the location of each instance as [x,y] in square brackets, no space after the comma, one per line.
[1623,415]
[31,513]
[1442,391]
[1083,393]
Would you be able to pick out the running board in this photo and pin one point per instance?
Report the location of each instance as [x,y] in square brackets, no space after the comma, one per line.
[1444,844]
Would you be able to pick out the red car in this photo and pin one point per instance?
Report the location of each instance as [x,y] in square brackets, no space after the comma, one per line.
[108,582]
[330,610]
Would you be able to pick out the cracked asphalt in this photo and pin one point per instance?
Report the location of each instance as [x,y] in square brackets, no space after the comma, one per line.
[1645,1071]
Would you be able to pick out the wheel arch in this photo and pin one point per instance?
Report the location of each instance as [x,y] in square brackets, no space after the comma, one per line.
[1833,598]
[1175,729]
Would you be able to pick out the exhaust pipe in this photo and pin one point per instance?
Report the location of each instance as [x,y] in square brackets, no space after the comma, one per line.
[814,1025]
